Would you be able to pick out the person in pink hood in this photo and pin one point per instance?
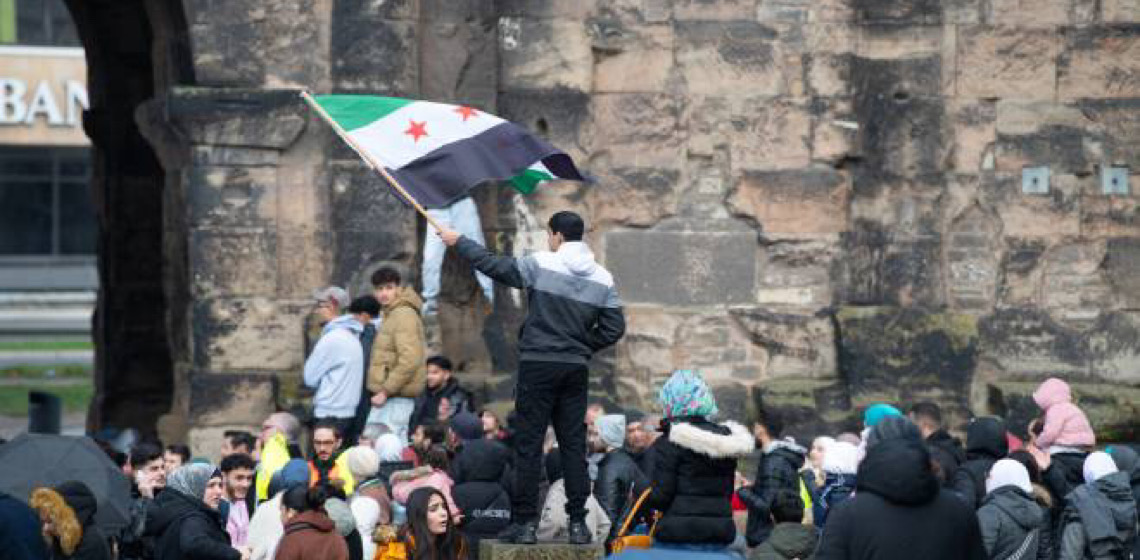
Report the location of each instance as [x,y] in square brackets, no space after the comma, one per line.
[433,473]
[1065,424]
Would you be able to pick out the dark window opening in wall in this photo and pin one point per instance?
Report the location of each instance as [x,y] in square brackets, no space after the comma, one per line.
[36,22]
[45,203]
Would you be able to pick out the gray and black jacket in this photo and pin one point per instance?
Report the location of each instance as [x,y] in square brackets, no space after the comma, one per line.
[574,310]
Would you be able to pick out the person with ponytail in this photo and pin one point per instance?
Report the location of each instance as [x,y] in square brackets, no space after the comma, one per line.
[429,533]
[309,532]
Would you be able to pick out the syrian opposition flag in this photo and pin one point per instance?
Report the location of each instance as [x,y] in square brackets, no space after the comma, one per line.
[438,152]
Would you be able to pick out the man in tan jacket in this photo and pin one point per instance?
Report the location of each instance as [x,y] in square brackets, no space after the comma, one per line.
[397,371]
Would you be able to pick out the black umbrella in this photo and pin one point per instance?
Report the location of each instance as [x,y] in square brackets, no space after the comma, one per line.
[34,460]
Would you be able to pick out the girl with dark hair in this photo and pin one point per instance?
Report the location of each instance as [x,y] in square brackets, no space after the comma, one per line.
[309,533]
[429,533]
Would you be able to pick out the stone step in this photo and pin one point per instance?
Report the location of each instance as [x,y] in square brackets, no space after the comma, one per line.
[495,550]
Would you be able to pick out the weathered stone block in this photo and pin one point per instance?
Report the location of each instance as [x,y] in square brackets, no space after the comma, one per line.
[1074,289]
[633,196]
[222,399]
[494,550]
[636,129]
[974,135]
[545,53]
[1008,62]
[684,10]
[233,263]
[794,271]
[809,201]
[233,156]
[232,196]
[254,334]
[918,12]
[698,268]
[973,255]
[715,345]
[878,268]
[899,353]
[1120,11]
[372,54]
[901,130]
[828,75]
[559,115]
[1032,13]
[631,59]
[237,117]
[1030,215]
[760,133]
[1113,126]
[733,56]
[362,200]
[1099,61]
[1105,216]
[301,259]
[801,346]
[463,55]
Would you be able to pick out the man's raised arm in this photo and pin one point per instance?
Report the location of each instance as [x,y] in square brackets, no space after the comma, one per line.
[502,269]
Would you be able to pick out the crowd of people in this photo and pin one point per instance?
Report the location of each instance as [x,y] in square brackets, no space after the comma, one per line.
[397,461]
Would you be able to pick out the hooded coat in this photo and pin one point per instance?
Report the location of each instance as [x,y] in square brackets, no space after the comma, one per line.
[20,530]
[573,309]
[693,477]
[788,541]
[1128,461]
[900,512]
[1099,521]
[618,474]
[480,492]
[336,369]
[71,507]
[1010,519]
[426,409]
[946,450]
[778,470]
[311,536]
[398,365]
[187,529]
[985,444]
[1064,423]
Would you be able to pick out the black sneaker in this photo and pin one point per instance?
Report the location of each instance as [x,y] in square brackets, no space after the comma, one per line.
[520,533]
[579,533]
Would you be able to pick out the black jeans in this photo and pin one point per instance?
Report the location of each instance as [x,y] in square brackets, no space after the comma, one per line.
[550,393]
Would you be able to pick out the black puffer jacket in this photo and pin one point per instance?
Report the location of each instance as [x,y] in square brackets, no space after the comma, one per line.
[985,444]
[778,470]
[946,450]
[617,476]
[1128,461]
[692,480]
[479,472]
[93,544]
[426,409]
[900,512]
[188,530]
[1065,473]
[1010,520]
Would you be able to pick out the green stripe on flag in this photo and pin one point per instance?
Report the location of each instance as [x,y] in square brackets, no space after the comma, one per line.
[354,111]
[528,180]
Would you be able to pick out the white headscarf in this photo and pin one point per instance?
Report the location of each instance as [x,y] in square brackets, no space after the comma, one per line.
[389,448]
[1097,466]
[1008,472]
[840,457]
[366,511]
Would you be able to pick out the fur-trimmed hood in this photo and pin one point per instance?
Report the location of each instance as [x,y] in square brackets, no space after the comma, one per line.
[411,474]
[738,442]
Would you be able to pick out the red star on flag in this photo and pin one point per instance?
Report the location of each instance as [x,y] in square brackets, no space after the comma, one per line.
[416,129]
[466,112]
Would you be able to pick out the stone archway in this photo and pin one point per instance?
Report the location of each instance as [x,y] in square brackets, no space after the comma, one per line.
[134,48]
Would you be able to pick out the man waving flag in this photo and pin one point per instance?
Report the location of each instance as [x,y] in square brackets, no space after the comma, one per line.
[437,152]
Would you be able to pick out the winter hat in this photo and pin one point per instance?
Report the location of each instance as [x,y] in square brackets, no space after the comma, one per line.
[1008,472]
[341,516]
[467,426]
[294,473]
[363,462]
[840,457]
[877,412]
[687,394]
[611,428]
[388,448]
[192,479]
[1097,466]
[893,427]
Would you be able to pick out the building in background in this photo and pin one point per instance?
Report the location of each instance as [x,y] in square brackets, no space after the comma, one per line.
[48,278]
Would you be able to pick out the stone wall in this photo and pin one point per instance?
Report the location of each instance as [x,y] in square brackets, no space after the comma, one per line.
[817,203]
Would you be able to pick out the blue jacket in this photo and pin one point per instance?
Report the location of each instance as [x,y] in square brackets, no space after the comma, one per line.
[336,369]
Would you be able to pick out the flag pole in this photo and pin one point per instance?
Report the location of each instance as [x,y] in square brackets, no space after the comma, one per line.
[368,159]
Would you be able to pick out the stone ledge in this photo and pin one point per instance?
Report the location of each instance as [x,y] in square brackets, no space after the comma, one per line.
[494,550]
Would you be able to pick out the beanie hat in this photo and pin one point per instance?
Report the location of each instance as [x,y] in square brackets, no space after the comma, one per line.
[1097,466]
[1007,472]
[876,412]
[363,462]
[389,448]
[840,457]
[467,426]
[294,473]
[1125,458]
[611,428]
[341,516]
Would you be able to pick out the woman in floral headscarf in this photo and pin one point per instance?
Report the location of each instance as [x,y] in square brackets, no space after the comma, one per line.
[694,468]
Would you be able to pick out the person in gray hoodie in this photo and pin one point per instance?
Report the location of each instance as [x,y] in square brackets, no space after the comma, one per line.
[1128,461]
[335,368]
[1010,519]
[1099,521]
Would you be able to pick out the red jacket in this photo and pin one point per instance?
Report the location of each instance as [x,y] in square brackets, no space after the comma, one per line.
[311,536]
